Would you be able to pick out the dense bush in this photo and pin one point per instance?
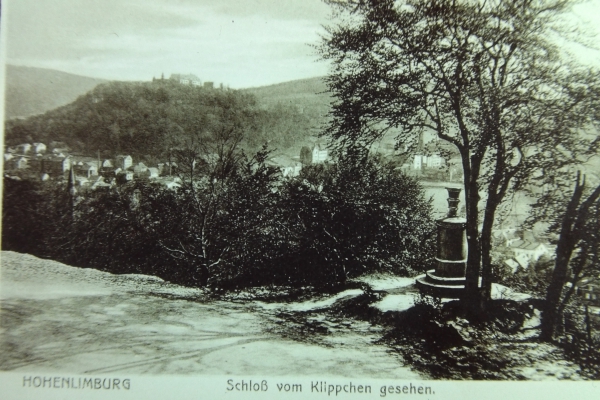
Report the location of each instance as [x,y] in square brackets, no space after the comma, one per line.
[349,218]
[35,217]
[235,223]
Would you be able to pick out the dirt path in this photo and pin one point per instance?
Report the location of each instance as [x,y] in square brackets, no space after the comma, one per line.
[56,318]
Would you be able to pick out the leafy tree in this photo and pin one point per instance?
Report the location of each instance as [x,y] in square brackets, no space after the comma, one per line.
[484,76]
[305,155]
[250,225]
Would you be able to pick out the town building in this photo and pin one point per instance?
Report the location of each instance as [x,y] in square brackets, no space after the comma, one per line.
[319,153]
[286,165]
[428,161]
[87,169]
[140,168]
[153,173]
[55,166]
[39,148]
[124,161]
[19,163]
[526,252]
[589,291]
[23,148]
[124,176]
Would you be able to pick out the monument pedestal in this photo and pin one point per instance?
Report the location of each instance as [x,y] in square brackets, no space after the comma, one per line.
[447,280]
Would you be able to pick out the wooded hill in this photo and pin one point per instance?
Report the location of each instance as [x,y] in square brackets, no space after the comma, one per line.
[146,119]
[307,95]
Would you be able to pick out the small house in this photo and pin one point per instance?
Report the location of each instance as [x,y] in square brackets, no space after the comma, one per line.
[171,183]
[428,161]
[82,181]
[169,168]
[589,292]
[39,148]
[319,154]
[286,165]
[124,161]
[60,151]
[512,264]
[141,170]
[154,173]
[526,252]
[87,169]
[55,165]
[124,176]
[20,163]
[24,148]
[99,182]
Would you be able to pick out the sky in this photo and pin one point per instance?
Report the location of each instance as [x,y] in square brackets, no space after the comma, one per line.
[240,43]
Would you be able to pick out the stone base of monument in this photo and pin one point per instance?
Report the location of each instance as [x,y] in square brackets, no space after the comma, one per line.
[448,278]
[441,286]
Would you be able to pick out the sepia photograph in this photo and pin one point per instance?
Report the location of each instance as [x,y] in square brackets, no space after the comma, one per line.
[300,198]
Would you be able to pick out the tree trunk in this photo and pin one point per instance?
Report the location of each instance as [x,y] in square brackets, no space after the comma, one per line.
[571,231]
[203,275]
[486,249]
[472,296]
[559,276]
[564,250]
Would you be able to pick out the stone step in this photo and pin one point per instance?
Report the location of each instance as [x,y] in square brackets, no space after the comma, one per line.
[439,286]
[444,280]
[439,290]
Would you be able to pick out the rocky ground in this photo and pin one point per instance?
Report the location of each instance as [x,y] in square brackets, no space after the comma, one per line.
[57,318]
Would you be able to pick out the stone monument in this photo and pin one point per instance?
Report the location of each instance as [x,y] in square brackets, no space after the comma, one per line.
[447,280]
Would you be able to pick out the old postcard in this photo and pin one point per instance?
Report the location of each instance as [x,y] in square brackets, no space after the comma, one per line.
[300,199]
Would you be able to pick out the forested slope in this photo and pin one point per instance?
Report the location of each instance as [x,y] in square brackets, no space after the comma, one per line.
[147,119]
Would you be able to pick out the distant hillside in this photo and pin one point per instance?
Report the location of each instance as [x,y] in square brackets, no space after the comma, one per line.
[31,91]
[308,96]
[302,89]
[145,119]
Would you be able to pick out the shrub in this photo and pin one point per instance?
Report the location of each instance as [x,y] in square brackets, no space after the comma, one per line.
[349,218]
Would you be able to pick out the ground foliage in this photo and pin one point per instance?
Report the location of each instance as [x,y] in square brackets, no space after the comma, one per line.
[585,352]
[438,341]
